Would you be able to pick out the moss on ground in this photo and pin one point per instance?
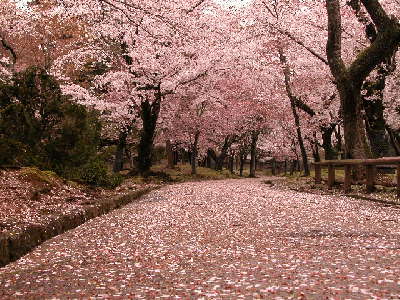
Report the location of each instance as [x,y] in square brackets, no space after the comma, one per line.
[33,174]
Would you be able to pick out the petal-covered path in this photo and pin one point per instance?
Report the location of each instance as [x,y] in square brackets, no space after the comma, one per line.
[233,239]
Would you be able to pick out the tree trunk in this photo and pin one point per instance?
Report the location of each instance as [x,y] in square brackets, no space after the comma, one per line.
[170,154]
[231,163]
[119,153]
[285,171]
[224,151]
[194,152]
[394,140]
[293,166]
[149,115]
[375,126]
[350,79]
[374,112]
[292,98]
[242,161]
[273,166]
[327,142]
[253,152]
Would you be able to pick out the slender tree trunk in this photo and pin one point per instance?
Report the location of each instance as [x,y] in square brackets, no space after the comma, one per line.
[293,166]
[119,153]
[253,152]
[194,152]
[242,161]
[170,154]
[273,166]
[231,163]
[285,172]
[292,98]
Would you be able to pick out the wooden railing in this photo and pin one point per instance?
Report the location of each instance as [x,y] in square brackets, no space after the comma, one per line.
[370,165]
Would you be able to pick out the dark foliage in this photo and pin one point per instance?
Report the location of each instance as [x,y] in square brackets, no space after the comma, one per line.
[41,127]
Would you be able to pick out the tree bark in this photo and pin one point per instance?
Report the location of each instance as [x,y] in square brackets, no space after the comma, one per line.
[170,155]
[231,163]
[394,140]
[253,153]
[149,115]
[242,161]
[119,152]
[327,141]
[293,99]
[194,152]
[349,80]
[224,152]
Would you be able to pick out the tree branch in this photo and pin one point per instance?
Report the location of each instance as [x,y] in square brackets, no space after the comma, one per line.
[334,44]
[297,41]
[377,14]
[195,6]
[10,49]
[385,45]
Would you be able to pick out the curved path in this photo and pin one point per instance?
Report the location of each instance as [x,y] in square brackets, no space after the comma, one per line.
[233,239]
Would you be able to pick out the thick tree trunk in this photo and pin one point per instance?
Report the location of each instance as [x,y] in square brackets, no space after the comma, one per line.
[327,142]
[394,140]
[375,126]
[224,152]
[253,152]
[374,112]
[211,155]
[356,144]
[194,152]
[119,153]
[149,115]
[350,79]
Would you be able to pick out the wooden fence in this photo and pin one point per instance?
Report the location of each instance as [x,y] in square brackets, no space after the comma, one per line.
[369,164]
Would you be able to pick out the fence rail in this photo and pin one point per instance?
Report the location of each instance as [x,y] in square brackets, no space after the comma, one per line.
[370,165]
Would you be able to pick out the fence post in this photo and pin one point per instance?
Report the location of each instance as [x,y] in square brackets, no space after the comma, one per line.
[398,180]
[347,178]
[317,170]
[331,176]
[370,178]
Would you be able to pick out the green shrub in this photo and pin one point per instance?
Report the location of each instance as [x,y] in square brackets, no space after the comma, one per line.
[114,180]
[95,172]
[41,127]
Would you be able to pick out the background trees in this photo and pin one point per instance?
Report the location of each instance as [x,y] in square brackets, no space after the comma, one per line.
[219,78]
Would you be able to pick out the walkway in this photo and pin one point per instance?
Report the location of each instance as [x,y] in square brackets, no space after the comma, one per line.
[233,239]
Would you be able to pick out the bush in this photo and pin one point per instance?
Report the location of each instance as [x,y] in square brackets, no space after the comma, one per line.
[41,127]
[95,173]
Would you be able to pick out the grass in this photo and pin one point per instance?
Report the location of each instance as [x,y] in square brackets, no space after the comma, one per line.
[36,175]
[182,173]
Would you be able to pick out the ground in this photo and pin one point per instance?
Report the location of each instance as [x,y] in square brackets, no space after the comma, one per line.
[229,239]
[30,197]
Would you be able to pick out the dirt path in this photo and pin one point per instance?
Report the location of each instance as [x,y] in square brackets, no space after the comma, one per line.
[233,239]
